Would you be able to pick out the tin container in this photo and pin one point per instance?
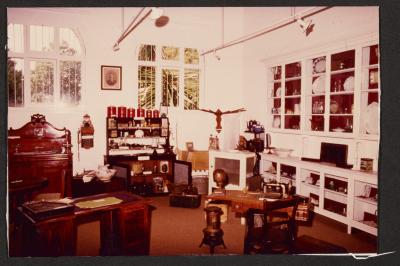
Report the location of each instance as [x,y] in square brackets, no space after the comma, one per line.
[111,111]
[121,111]
[156,113]
[366,164]
[131,112]
[149,113]
[140,112]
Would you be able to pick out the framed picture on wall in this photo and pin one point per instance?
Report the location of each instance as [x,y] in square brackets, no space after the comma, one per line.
[111,78]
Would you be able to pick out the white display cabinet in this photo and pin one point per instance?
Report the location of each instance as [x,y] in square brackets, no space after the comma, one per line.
[347,196]
[332,92]
[238,166]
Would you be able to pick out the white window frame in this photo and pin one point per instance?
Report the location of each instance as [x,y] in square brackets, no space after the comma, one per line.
[28,55]
[180,65]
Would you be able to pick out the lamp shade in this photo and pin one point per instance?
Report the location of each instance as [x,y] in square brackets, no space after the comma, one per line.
[156,13]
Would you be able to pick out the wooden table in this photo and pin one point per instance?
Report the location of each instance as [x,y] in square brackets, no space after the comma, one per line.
[124,228]
[240,202]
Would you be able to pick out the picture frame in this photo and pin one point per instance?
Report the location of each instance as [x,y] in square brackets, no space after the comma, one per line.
[189,146]
[111,77]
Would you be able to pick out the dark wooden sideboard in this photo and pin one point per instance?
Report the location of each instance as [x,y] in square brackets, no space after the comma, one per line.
[40,150]
[124,228]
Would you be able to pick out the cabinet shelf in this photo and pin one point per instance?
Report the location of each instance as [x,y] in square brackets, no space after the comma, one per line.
[342,71]
[148,175]
[311,185]
[128,137]
[342,93]
[371,66]
[335,192]
[371,90]
[292,96]
[134,128]
[341,114]
[294,78]
[315,94]
[316,75]
[368,223]
[292,114]
[366,200]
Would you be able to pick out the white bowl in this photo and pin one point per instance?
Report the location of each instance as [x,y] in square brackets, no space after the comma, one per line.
[281,152]
[105,176]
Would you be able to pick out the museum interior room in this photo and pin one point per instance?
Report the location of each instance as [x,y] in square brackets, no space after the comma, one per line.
[164,131]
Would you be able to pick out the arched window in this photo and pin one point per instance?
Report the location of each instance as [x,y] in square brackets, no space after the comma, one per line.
[44,65]
[169,76]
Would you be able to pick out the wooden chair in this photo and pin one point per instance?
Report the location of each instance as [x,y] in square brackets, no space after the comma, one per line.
[272,230]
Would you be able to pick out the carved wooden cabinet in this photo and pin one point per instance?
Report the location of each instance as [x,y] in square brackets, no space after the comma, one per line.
[40,150]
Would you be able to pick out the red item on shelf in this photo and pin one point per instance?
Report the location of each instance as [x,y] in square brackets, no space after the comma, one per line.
[131,112]
[140,112]
[156,113]
[149,113]
[121,111]
[111,111]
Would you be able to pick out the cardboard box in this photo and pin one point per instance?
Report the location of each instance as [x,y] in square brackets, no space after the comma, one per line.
[199,159]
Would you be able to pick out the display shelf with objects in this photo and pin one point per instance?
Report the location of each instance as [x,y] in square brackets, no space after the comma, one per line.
[339,92]
[288,175]
[238,166]
[292,96]
[136,135]
[365,212]
[370,92]
[315,93]
[310,185]
[269,170]
[146,174]
[336,193]
[140,145]
[275,95]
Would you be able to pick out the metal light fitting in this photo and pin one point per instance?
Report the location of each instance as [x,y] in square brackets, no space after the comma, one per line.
[278,25]
[305,25]
[155,13]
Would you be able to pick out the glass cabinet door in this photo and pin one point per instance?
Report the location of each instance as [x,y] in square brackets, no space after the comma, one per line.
[292,96]
[341,100]
[370,91]
[275,96]
[315,94]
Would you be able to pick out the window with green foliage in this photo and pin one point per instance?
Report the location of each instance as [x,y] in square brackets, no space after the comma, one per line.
[170,87]
[175,78]
[192,89]
[44,65]
[147,89]
[15,78]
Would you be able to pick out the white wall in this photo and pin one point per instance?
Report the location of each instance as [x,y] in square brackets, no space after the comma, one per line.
[100,28]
